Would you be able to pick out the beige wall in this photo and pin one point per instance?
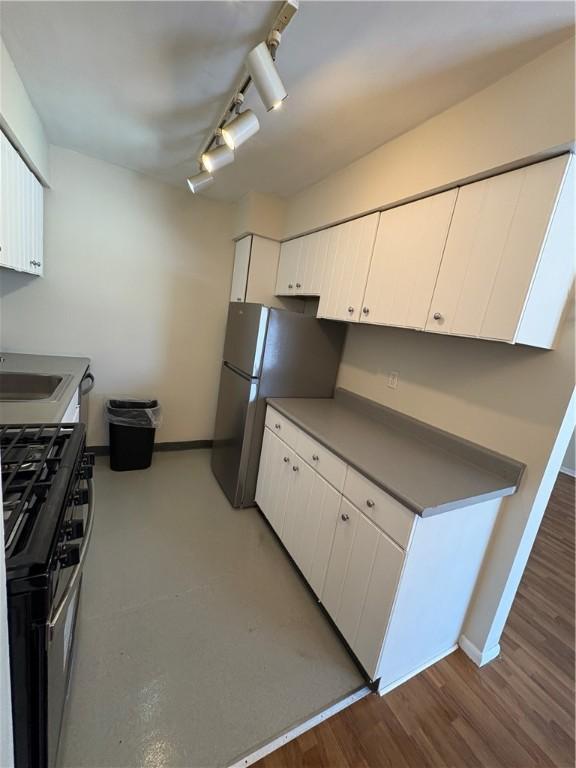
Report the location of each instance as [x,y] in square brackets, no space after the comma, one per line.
[19,119]
[526,113]
[137,277]
[511,399]
[260,214]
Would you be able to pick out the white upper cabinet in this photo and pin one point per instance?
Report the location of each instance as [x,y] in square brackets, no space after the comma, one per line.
[255,268]
[508,263]
[347,266]
[21,213]
[241,267]
[288,267]
[407,254]
[302,263]
[312,262]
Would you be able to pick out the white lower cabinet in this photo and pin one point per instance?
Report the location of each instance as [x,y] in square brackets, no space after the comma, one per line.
[396,585]
[72,413]
[361,582]
[310,523]
[273,479]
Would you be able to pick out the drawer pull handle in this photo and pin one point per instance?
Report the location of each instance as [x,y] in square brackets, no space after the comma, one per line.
[295,468]
[345,517]
[315,457]
[286,460]
[369,503]
[277,426]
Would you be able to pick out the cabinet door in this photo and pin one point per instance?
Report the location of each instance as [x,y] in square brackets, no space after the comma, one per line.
[311,263]
[274,477]
[241,267]
[361,582]
[301,482]
[496,236]
[21,213]
[36,226]
[11,228]
[347,266]
[310,522]
[288,267]
[406,259]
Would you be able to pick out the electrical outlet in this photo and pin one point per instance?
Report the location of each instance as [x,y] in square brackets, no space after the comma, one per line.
[393,379]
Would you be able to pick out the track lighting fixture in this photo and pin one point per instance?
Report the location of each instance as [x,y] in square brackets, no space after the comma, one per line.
[200,181]
[262,70]
[217,158]
[240,128]
[235,127]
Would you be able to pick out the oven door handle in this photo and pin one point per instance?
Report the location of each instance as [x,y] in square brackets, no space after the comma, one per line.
[57,612]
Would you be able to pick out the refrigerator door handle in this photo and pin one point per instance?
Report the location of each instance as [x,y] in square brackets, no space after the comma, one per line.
[238,372]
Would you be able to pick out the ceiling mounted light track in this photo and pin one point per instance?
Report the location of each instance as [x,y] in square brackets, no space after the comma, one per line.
[235,127]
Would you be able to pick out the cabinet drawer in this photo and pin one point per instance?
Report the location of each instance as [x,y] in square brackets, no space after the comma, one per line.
[322,460]
[388,514]
[282,427]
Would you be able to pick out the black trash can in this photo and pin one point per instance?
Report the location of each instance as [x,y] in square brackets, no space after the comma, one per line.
[132,425]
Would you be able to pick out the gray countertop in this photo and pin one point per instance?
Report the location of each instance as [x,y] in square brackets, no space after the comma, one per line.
[424,468]
[41,411]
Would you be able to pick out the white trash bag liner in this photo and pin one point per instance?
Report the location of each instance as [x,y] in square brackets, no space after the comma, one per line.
[134,412]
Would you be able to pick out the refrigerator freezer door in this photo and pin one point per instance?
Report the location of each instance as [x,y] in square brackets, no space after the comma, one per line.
[245,337]
[301,356]
[233,432]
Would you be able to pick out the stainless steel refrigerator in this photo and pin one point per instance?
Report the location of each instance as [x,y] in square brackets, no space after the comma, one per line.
[267,353]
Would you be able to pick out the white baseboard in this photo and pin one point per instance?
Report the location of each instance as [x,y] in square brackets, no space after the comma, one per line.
[568,471]
[478,657]
[278,742]
[390,686]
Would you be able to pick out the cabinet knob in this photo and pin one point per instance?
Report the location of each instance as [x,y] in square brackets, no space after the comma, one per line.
[298,285]
[277,426]
[238,299]
[365,311]
[290,285]
[286,460]
[350,310]
[315,457]
[437,316]
[369,503]
[345,517]
[295,468]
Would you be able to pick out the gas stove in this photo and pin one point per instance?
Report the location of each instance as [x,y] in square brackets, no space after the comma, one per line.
[40,463]
[48,510]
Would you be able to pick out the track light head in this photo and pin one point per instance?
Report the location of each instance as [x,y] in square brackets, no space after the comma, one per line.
[200,181]
[239,130]
[217,158]
[265,77]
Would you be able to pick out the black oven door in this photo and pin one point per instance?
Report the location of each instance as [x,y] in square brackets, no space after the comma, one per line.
[60,633]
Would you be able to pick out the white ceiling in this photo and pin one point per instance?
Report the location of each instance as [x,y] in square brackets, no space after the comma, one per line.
[140,84]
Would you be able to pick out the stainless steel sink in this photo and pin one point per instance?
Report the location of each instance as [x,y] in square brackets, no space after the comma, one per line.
[31,386]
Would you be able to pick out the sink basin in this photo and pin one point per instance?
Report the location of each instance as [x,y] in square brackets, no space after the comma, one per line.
[31,386]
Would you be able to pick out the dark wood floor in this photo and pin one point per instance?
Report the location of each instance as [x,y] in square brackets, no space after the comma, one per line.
[517,712]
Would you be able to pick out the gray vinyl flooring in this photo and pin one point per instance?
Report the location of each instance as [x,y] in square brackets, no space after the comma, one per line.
[197,640]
